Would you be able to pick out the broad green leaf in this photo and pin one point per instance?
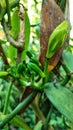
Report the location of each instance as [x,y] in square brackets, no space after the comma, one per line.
[15,21]
[57,39]
[68,59]
[26,34]
[61,98]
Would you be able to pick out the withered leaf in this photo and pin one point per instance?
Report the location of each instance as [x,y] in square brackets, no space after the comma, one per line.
[51,17]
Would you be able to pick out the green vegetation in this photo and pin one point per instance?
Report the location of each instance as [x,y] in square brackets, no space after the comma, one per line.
[33,97]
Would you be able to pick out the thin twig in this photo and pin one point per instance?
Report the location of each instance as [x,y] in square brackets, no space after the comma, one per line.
[10,38]
[38,112]
[34,25]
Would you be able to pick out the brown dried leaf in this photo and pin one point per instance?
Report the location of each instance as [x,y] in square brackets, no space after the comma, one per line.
[51,17]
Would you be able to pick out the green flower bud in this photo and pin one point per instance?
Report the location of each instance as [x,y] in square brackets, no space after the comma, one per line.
[57,39]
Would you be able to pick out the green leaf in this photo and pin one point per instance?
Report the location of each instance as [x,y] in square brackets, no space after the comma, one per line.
[68,59]
[27,33]
[38,125]
[11,53]
[18,122]
[3,41]
[61,98]
[15,21]
[57,39]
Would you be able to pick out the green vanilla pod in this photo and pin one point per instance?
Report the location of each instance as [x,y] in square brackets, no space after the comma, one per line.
[36,61]
[33,58]
[23,83]
[20,67]
[36,69]
[29,54]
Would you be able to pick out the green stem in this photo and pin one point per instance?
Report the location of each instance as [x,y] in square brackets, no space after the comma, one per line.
[12,5]
[66,68]
[68,76]
[49,114]
[8,12]
[46,65]
[45,69]
[17,110]
[7,98]
[66,80]
[45,127]
[38,112]
[34,25]
[10,38]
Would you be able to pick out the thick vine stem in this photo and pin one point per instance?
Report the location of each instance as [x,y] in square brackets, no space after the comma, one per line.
[16,110]
[38,112]
[14,43]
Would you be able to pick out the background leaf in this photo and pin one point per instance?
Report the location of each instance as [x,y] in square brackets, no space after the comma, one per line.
[38,125]
[18,122]
[61,98]
[68,59]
